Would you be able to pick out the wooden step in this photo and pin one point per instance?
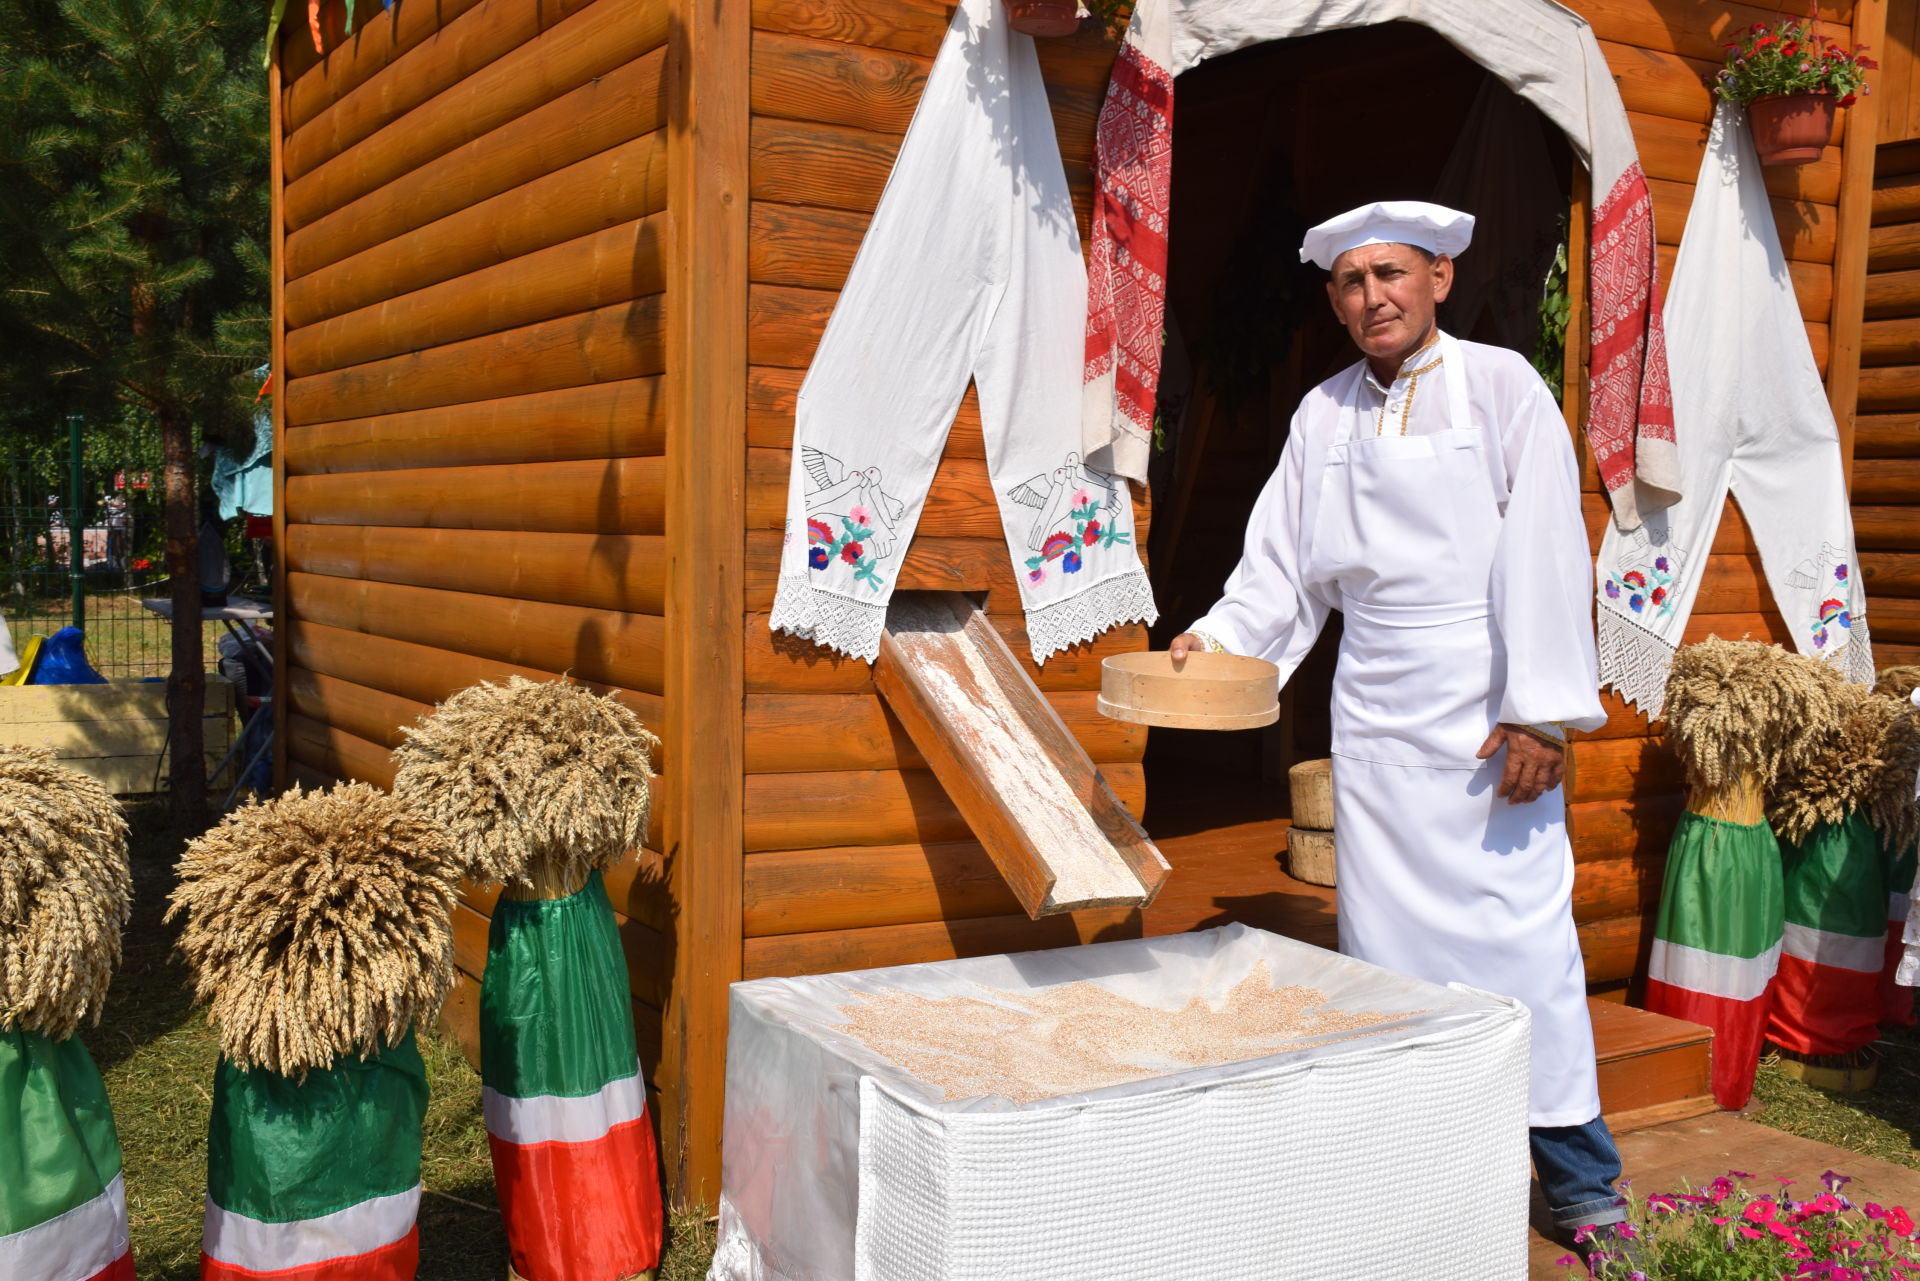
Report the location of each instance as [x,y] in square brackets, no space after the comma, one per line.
[1652,1068]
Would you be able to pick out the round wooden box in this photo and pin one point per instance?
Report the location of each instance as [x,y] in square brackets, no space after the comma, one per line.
[1205,691]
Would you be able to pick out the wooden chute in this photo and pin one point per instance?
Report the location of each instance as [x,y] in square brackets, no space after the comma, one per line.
[1032,796]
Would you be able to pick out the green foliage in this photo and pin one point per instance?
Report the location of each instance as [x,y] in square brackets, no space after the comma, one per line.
[1550,344]
[133,215]
[1792,57]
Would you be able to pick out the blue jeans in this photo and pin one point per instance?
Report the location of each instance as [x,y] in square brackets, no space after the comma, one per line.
[1577,1165]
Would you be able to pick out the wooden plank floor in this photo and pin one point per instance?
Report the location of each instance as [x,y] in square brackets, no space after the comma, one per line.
[1660,1158]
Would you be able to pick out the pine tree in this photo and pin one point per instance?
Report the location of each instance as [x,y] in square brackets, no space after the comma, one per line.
[133,219]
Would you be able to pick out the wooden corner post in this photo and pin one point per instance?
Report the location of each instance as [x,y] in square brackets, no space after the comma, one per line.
[277,370]
[1847,320]
[706,384]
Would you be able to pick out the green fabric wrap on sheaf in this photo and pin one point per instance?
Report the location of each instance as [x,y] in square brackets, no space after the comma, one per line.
[1837,879]
[1724,888]
[58,1147]
[555,1014]
[278,1151]
[1901,868]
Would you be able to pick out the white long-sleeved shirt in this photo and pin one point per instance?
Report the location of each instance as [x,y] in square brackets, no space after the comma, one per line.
[1538,581]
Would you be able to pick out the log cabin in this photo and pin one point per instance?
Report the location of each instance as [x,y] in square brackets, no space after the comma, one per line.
[548,274]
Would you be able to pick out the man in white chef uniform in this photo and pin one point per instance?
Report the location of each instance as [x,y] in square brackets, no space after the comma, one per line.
[1430,494]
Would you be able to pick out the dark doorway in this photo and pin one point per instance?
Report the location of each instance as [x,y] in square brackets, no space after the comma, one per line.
[1268,142]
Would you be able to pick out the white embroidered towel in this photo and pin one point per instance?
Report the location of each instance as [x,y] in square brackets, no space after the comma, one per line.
[1752,417]
[971,267]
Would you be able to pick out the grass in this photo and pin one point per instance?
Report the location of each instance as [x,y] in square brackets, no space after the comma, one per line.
[158,1055]
[1883,1123]
[123,640]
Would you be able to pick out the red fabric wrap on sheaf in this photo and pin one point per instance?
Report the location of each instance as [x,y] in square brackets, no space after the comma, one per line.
[396,1262]
[1739,1027]
[121,1269]
[1127,262]
[579,1211]
[1630,397]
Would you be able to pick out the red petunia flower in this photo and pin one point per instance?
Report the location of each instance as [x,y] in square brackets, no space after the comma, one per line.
[1092,534]
[851,553]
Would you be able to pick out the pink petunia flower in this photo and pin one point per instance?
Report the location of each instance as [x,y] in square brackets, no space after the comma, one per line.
[859,515]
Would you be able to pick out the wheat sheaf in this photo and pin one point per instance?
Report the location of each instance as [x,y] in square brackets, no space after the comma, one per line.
[1748,709]
[65,893]
[318,925]
[530,777]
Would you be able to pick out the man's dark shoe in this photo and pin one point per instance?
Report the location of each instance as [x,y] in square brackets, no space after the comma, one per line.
[1611,1251]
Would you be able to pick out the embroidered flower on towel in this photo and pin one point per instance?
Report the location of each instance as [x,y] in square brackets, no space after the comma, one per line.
[1840,572]
[1642,587]
[1070,563]
[1833,613]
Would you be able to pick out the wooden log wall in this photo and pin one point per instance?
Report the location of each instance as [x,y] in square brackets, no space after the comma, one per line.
[1886,472]
[1898,93]
[470,205]
[1625,789]
[854,855]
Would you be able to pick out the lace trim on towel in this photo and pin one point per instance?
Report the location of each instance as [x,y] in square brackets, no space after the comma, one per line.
[1908,975]
[1855,659]
[1127,598]
[1634,663]
[852,627]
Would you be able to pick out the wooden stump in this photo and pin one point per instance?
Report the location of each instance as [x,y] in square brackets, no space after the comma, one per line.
[1312,785]
[1310,855]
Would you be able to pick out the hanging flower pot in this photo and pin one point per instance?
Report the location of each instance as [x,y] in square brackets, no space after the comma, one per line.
[1791,128]
[1791,78]
[1044,17]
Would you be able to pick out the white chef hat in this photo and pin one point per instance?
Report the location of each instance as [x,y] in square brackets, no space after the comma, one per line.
[1434,228]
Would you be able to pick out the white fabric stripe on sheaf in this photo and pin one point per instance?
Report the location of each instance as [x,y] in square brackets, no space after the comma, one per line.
[555,1118]
[259,1246]
[1898,905]
[1842,951]
[1736,978]
[73,1246]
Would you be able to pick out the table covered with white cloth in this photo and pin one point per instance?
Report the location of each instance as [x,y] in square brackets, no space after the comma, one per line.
[909,1124]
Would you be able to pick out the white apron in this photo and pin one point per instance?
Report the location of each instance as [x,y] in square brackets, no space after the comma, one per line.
[1439,877]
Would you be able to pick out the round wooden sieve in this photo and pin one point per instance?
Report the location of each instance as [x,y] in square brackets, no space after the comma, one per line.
[1205,691]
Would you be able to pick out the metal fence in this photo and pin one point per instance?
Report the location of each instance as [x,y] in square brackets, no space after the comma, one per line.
[81,544]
